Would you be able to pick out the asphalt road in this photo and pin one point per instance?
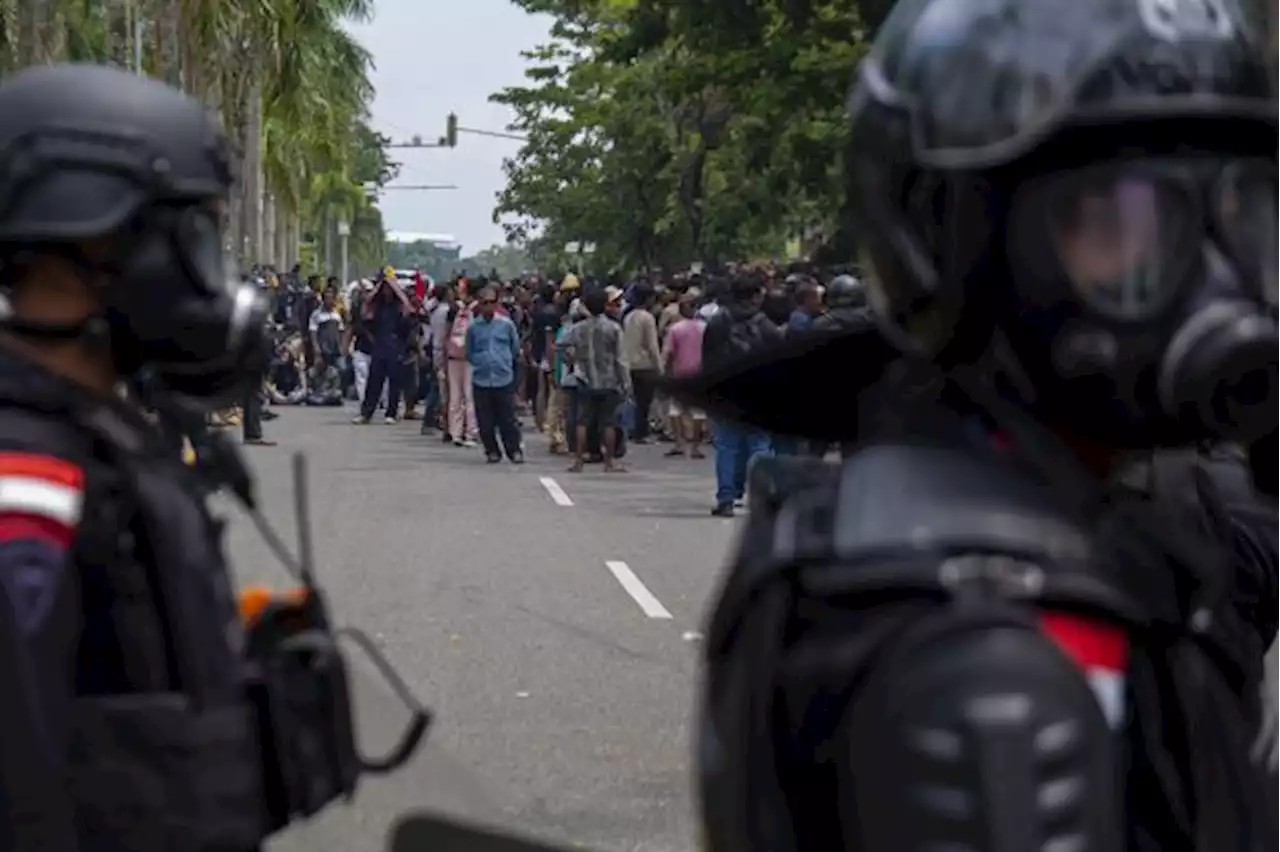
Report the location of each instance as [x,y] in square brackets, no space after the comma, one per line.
[550,619]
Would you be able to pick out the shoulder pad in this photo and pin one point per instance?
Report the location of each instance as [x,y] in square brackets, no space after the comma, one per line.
[898,499]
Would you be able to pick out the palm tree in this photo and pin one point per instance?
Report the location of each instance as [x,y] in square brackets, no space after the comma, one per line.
[290,84]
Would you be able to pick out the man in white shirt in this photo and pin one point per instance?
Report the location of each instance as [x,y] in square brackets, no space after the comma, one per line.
[325,328]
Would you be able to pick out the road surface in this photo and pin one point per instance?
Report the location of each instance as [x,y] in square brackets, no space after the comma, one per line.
[550,619]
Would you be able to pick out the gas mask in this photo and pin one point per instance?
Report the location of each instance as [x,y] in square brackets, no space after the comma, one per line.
[174,309]
[1144,294]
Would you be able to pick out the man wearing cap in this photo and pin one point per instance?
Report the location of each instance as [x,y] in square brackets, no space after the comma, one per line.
[493,350]
[562,412]
[358,343]
[614,303]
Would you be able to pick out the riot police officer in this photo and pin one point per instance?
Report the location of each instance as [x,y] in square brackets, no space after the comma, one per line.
[846,305]
[125,721]
[969,637]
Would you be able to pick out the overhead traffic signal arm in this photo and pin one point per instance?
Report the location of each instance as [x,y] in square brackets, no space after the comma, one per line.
[450,137]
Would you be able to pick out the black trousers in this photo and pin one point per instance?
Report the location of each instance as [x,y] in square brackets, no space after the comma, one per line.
[644,383]
[383,369]
[409,383]
[251,415]
[496,418]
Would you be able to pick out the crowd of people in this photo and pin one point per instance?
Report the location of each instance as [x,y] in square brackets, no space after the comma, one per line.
[580,358]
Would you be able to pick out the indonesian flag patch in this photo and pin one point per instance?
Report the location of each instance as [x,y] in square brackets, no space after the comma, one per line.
[1101,650]
[41,500]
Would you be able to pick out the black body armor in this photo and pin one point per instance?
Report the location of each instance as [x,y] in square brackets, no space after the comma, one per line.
[876,671]
[163,752]
[882,666]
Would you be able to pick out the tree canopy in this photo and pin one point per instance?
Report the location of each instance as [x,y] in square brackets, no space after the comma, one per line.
[288,80]
[669,131]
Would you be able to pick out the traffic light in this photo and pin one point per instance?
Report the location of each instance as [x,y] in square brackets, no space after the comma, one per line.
[451,131]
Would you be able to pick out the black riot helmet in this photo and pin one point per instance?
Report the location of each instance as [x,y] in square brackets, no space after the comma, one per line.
[1096,182]
[91,155]
[846,291]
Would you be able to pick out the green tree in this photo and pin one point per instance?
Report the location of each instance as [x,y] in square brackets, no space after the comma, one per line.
[666,131]
[289,82]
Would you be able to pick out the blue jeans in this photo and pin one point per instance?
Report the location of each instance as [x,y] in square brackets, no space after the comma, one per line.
[735,445]
[429,386]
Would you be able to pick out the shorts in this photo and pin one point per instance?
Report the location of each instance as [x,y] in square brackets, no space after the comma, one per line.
[675,409]
[598,409]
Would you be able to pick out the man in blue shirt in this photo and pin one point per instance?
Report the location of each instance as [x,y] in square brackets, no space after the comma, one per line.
[493,350]
[808,306]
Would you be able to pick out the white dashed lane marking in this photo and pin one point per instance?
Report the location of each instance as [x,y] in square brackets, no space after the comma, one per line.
[558,494]
[631,584]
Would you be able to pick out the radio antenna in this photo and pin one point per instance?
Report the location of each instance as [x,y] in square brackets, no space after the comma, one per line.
[302,512]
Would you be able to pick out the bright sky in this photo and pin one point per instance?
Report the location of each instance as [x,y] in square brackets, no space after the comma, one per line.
[435,57]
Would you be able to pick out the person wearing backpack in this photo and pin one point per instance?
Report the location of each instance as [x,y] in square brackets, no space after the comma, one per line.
[462,410]
[740,328]
[971,635]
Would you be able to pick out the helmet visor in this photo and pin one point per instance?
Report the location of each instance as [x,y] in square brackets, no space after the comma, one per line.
[1120,239]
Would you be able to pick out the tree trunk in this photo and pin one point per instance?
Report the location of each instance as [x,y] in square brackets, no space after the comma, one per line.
[235,226]
[31,16]
[116,16]
[269,225]
[330,231]
[253,175]
[8,36]
[54,38]
[168,44]
[295,239]
[284,219]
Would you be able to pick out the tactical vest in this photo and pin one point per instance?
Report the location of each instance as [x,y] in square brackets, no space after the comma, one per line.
[159,769]
[845,579]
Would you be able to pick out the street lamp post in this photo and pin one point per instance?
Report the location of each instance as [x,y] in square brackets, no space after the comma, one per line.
[344,234]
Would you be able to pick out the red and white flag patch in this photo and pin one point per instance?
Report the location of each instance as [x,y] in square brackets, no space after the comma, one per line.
[40,492]
[1101,650]
[41,503]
